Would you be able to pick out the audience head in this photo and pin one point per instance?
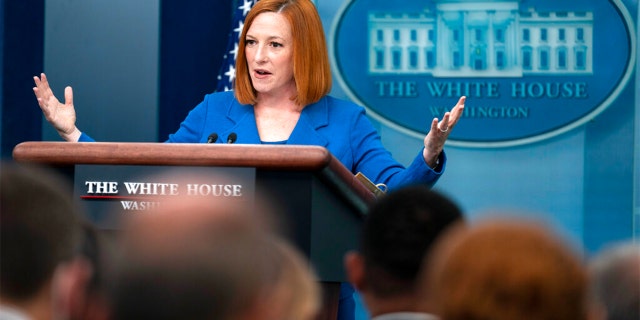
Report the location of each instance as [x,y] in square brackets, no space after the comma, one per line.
[398,231]
[313,80]
[218,259]
[83,292]
[296,290]
[40,231]
[505,269]
[231,276]
[180,218]
[615,280]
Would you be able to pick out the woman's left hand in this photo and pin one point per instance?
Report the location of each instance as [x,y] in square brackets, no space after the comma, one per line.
[439,132]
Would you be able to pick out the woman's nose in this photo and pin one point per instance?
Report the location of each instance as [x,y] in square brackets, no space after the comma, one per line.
[261,55]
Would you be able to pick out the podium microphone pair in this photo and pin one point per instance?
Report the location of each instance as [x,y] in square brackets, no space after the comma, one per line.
[230,139]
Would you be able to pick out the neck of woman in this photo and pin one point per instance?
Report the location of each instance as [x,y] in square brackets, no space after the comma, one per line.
[282,101]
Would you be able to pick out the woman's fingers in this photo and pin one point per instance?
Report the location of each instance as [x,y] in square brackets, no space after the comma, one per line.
[68,96]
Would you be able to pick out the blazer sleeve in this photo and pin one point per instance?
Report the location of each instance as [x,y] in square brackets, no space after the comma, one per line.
[192,127]
[377,163]
[85,138]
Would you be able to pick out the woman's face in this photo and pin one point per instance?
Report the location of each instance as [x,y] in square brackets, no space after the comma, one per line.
[269,52]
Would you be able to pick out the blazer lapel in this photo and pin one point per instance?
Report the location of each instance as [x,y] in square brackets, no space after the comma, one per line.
[312,118]
[243,124]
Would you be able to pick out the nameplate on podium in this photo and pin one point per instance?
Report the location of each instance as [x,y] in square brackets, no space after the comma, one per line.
[110,193]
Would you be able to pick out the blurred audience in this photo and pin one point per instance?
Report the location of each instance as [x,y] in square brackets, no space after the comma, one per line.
[40,233]
[505,269]
[399,229]
[203,257]
[615,280]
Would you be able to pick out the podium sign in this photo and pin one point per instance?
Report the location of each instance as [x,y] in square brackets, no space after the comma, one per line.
[110,193]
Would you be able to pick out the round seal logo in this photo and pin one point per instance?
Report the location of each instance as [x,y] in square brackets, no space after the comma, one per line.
[530,69]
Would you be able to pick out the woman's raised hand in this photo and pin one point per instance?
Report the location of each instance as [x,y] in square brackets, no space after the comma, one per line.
[61,116]
[439,132]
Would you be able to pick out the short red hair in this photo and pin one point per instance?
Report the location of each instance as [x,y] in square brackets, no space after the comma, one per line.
[311,68]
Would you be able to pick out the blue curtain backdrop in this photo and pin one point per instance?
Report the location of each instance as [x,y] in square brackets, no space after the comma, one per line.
[193,41]
[21,55]
[1,67]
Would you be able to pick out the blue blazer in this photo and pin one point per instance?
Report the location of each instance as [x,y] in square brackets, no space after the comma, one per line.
[338,125]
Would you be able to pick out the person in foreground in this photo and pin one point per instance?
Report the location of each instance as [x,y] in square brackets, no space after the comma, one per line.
[615,282]
[84,291]
[505,269]
[40,231]
[201,258]
[400,228]
[280,96]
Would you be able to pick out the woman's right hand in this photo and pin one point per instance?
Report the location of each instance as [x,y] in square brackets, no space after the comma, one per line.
[61,116]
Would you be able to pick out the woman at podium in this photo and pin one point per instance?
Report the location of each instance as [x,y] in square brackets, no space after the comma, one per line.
[280,96]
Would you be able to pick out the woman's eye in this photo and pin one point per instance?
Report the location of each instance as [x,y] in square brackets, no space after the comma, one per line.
[250,42]
[276,44]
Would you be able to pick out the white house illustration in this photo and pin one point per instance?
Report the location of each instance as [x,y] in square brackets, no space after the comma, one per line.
[473,38]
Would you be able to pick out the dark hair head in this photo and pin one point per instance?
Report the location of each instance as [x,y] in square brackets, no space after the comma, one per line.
[39,228]
[399,230]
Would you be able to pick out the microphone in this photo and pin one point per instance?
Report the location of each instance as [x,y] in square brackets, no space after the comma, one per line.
[232,137]
[213,137]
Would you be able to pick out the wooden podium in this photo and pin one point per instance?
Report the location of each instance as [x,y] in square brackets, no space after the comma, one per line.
[319,198]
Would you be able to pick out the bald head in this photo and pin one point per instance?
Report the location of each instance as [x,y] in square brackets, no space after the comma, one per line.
[184,219]
[219,256]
